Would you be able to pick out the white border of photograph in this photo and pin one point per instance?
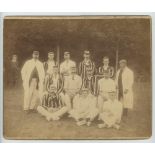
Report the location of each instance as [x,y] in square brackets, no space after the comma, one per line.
[152,139]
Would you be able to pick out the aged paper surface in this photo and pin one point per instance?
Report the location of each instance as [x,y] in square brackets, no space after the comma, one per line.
[77,77]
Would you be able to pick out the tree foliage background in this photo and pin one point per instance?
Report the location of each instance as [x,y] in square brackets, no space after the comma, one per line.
[130,36]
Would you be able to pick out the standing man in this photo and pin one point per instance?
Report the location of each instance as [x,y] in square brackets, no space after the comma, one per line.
[14,70]
[85,67]
[73,84]
[48,65]
[55,79]
[104,86]
[33,77]
[65,66]
[124,82]
[106,67]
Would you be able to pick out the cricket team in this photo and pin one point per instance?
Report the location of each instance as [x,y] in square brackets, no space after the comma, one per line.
[81,91]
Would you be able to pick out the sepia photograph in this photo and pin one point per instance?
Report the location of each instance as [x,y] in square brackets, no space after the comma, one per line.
[77,77]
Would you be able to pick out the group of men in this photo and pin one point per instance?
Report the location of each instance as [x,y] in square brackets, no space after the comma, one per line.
[81,90]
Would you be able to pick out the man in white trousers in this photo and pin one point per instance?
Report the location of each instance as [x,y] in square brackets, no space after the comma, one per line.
[33,77]
[104,86]
[124,82]
[111,112]
[54,105]
[84,108]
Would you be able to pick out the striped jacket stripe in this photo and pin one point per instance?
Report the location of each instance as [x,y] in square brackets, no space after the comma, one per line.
[82,68]
[52,102]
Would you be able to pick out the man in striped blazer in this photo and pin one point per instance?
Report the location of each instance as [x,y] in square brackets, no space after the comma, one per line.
[54,105]
[55,79]
[84,66]
[106,68]
[48,65]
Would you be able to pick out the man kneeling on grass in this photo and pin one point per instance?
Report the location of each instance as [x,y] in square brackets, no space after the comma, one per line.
[54,105]
[111,112]
[84,108]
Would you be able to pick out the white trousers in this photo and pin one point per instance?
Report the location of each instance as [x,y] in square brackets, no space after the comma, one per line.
[31,97]
[41,110]
[91,114]
[109,119]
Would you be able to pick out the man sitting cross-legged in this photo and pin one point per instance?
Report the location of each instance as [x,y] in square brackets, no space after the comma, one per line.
[54,105]
[111,112]
[84,108]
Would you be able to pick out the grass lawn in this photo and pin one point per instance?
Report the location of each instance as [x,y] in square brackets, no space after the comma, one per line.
[18,125]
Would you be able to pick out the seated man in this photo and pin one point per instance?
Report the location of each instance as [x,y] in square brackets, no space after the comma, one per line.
[111,112]
[88,82]
[54,105]
[84,108]
[54,78]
